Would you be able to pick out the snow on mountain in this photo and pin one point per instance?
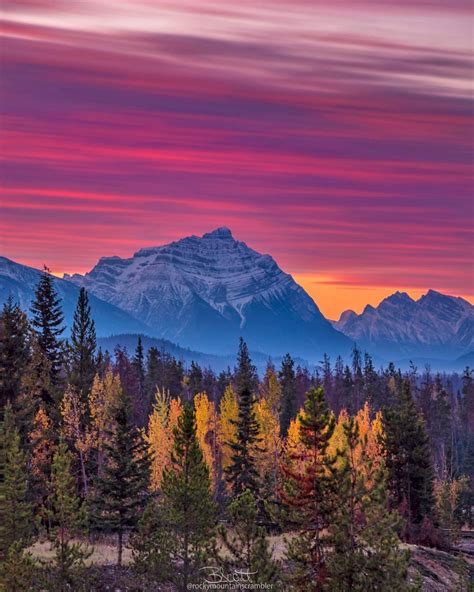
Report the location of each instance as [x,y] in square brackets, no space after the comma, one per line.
[433,325]
[19,282]
[205,292]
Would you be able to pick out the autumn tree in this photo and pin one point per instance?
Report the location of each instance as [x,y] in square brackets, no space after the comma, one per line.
[308,490]
[82,347]
[159,436]
[47,320]
[228,414]
[206,433]
[269,448]
[42,443]
[74,429]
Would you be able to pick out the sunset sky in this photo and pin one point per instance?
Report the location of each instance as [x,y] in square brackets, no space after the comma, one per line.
[335,135]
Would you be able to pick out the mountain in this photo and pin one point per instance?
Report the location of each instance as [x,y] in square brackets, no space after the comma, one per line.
[19,281]
[435,325]
[205,292]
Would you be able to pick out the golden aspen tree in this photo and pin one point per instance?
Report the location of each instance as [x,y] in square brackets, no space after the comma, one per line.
[228,414]
[73,411]
[159,436]
[269,445]
[271,389]
[206,433]
[42,444]
[103,396]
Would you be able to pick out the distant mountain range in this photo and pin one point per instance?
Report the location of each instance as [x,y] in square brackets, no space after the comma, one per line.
[435,325]
[203,293]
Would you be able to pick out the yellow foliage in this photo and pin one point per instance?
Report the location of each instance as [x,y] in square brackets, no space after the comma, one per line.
[159,436]
[206,431]
[41,443]
[269,445]
[228,413]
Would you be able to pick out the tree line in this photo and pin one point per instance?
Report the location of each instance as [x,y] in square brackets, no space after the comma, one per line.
[196,472]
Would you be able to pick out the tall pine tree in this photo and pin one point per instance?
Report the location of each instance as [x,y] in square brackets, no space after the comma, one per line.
[48,323]
[409,464]
[288,394]
[122,488]
[14,351]
[82,348]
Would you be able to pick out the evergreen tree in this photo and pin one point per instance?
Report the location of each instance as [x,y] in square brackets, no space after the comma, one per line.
[308,490]
[246,545]
[195,380]
[122,489]
[245,373]
[152,377]
[19,572]
[242,473]
[15,509]
[189,512]
[47,321]
[14,351]
[288,397]
[67,518]
[139,363]
[409,464]
[83,347]
[364,549]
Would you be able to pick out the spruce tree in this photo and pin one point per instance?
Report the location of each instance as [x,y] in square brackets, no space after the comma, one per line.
[246,544]
[82,348]
[122,488]
[189,512]
[48,323]
[308,490]
[14,351]
[364,548]
[242,472]
[139,365]
[20,571]
[67,518]
[15,508]
[288,394]
[245,373]
[409,464]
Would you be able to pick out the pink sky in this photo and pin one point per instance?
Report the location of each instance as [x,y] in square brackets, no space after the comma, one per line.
[336,136]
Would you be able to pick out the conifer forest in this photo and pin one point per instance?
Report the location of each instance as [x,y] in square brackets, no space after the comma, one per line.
[129,470]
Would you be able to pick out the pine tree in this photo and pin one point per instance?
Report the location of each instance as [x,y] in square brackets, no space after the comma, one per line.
[242,473]
[364,549]
[189,511]
[194,380]
[19,572]
[308,490]
[139,365]
[47,321]
[246,544]
[67,518]
[15,508]
[288,397]
[82,348]
[409,464]
[14,351]
[245,373]
[122,490]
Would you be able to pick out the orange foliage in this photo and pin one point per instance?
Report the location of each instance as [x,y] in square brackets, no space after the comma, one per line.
[206,431]
[228,413]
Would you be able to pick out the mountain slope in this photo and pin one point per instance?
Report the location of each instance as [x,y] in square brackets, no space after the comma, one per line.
[19,281]
[205,292]
[434,325]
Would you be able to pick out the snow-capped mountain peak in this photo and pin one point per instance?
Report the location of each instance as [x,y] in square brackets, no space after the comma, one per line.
[212,289]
